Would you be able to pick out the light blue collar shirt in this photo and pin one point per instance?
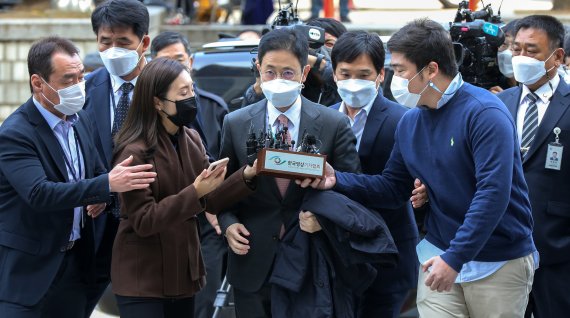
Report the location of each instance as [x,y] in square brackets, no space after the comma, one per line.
[65,135]
[359,122]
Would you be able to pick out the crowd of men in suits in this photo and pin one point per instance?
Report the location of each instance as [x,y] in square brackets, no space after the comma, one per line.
[479,166]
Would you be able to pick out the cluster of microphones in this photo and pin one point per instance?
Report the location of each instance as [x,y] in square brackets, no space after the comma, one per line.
[269,140]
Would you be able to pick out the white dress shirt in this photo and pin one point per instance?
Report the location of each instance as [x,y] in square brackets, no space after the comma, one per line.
[544,94]
[293,115]
[116,82]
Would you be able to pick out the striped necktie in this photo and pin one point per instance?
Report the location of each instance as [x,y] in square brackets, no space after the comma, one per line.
[530,124]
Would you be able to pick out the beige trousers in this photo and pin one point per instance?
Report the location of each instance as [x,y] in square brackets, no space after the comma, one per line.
[503,294]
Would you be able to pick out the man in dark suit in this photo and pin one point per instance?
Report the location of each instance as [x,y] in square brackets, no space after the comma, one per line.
[208,123]
[539,106]
[121,27]
[51,188]
[253,227]
[358,63]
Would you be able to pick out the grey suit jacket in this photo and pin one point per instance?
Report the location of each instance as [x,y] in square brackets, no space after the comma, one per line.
[263,212]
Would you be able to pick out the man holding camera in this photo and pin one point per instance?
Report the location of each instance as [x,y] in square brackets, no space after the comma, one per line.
[254,227]
[478,256]
[540,107]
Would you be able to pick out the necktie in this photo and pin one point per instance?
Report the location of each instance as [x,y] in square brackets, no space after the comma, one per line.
[283,183]
[122,107]
[121,110]
[530,124]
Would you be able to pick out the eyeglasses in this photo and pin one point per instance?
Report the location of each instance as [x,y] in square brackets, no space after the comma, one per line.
[286,75]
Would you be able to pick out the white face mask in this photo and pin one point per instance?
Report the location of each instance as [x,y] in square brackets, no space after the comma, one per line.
[119,61]
[529,70]
[280,92]
[71,99]
[505,60]
[401,93]
[357,93]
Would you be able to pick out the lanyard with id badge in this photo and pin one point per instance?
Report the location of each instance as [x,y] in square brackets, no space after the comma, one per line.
[554,152]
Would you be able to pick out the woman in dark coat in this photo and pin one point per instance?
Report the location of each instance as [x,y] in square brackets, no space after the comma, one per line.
[157,265]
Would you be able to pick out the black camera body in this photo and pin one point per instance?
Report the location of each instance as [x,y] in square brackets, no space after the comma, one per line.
[287,18]
[476,38]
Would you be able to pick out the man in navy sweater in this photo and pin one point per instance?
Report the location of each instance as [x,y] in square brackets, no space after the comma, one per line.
[478,257]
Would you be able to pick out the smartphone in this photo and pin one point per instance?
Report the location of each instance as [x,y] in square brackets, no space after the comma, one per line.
[217,165]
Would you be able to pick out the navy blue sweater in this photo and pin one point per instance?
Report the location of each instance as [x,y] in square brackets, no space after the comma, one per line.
[468,156]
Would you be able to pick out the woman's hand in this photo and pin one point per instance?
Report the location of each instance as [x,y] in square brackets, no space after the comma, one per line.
[205,183]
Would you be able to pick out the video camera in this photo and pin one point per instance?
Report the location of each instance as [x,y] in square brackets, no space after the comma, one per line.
[287,18]
[476,39]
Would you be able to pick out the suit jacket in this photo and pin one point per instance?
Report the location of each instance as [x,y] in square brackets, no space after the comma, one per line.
[318,275]
[209,119]
[98,91]
[157,248]
[37,202]
[548,189]
[265,211]
[375,147]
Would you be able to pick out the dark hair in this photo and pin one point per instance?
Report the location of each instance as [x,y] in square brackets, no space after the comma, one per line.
[165,39]
[353,44]
[142,121]
[41,53]
[288,39]
[509,28]
[550,25]
[423,41]
[331,26]
[121,14]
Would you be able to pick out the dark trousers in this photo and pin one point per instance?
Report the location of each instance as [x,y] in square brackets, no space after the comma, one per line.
[549,295]
[253,305]
[105,228]
[145,307]
[66,297]
[214,251]
[385,305]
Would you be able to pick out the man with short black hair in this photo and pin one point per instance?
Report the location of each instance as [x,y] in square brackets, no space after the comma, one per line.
[52,185]
[478,257]
[254,227]
[319,85]
[540,107]
[358,63]
[121,28]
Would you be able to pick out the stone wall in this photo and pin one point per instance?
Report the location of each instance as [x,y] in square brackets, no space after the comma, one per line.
[16,37]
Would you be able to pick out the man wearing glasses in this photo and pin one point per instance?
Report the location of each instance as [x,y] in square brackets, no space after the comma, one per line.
[255,226]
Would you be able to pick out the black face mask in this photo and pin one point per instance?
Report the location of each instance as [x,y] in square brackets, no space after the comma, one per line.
[186,111]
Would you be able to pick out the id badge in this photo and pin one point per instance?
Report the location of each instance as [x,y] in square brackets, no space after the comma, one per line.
[554,153]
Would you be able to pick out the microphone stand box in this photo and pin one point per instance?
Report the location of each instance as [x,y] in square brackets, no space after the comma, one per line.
[290,165]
